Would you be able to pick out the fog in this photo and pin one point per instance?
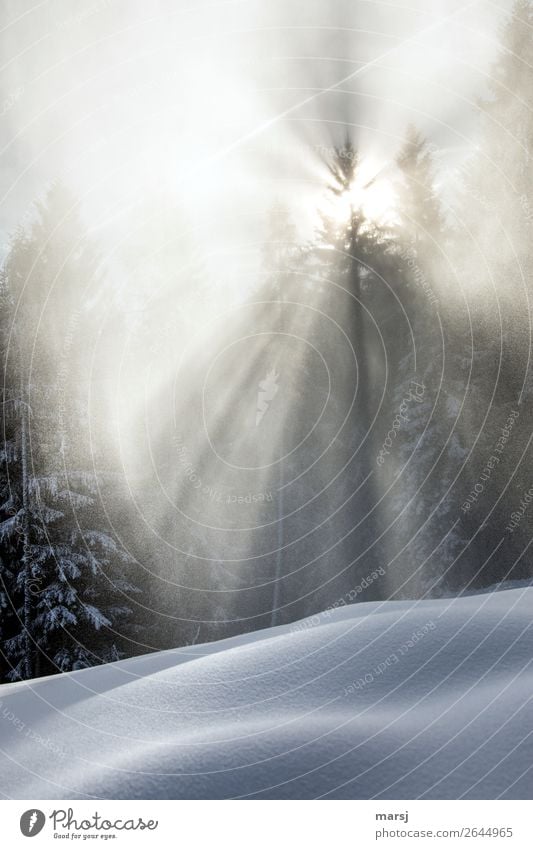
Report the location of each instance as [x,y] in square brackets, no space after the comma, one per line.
[274,433]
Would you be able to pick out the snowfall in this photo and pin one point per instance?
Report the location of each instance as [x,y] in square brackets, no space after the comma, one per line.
[398,700]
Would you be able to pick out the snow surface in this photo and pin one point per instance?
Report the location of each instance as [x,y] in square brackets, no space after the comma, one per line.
[316,709]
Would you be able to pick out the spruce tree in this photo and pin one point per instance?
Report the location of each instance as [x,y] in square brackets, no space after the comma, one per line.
[422,223]
[355,259]
[67,574]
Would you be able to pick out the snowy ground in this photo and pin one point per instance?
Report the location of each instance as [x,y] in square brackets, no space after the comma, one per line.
[392,700]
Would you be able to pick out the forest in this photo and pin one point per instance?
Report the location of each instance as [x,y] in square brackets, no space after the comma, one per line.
[345,417]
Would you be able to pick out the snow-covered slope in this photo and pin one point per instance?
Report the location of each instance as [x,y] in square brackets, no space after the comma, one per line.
[393,700]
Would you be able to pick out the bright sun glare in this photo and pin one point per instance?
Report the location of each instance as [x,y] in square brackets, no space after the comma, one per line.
[372,192]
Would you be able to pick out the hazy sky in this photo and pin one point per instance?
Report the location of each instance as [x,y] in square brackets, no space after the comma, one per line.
[224,106]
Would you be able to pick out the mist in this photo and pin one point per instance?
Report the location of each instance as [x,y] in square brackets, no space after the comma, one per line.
[266,326]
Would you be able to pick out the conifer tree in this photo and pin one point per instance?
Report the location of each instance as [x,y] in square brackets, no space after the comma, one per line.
[422,223]
[355,257]
[66,575]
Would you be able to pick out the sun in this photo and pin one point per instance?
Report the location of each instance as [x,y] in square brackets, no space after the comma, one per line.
[372,192]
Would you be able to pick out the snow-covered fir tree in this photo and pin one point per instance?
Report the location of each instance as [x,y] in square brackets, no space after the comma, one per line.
[65,575]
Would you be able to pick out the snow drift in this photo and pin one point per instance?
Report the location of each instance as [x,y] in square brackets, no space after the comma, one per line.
[395,700]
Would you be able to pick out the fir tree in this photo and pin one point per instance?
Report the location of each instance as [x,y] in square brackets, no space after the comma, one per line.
[65,574]
[355,257]
[422,223]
